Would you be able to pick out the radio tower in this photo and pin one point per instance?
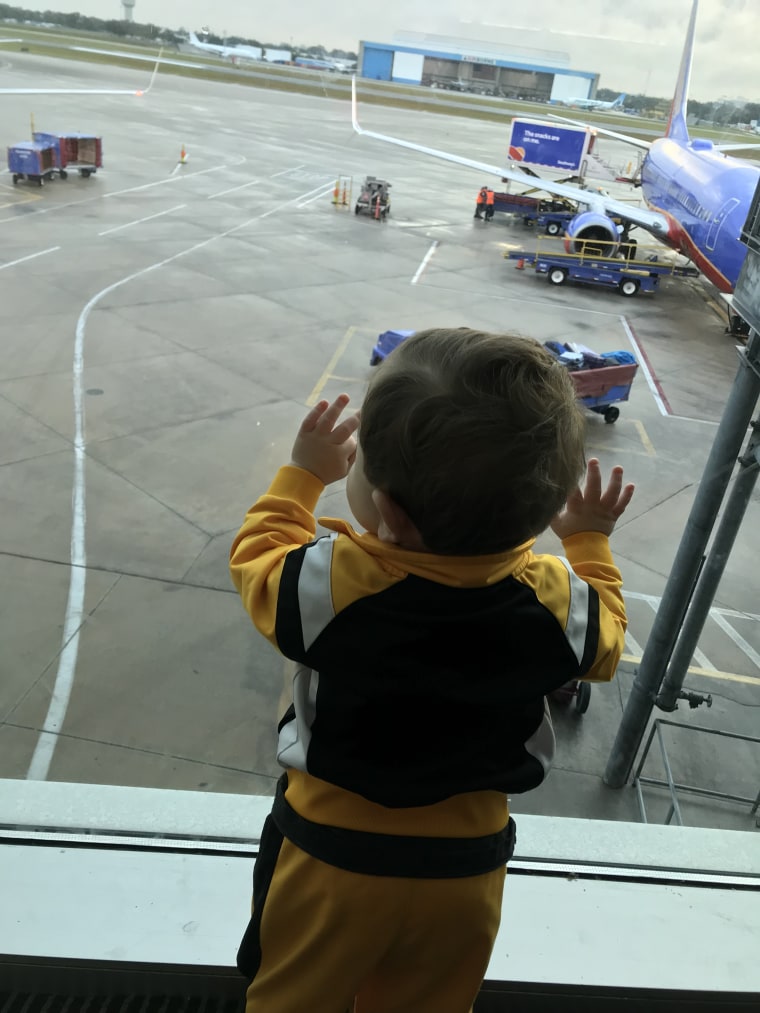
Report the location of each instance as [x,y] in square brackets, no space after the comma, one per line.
[128,7]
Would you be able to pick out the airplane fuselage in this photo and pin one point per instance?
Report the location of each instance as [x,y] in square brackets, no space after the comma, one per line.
[705,196]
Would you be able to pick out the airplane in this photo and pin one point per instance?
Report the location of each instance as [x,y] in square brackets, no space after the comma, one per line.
[227,52]
[312,63]
[593,103]
[79,91]
[698,197]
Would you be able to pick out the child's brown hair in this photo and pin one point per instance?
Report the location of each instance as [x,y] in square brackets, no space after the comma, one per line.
[477,436]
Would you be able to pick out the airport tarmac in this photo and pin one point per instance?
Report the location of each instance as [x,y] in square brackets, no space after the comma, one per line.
[165,325]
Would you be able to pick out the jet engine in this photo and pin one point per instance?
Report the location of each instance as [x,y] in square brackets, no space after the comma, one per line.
[587,230]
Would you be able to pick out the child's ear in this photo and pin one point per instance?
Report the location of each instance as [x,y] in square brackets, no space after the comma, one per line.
[395,524]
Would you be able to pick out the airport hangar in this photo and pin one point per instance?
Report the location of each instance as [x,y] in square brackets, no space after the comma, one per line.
[484,68]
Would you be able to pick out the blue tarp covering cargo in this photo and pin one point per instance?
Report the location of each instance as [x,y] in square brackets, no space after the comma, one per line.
[387,341]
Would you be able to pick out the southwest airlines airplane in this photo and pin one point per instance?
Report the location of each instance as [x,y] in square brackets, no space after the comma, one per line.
[698,197]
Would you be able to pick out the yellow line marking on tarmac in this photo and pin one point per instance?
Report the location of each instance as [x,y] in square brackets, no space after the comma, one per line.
[18,198]
[707,673]
[648,445]
[720,313]
[314,396]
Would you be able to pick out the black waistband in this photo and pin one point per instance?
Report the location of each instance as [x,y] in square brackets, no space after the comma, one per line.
[389,855]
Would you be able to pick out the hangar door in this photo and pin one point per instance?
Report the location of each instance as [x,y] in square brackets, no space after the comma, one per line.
[377,63]
[565,86]
[407,67]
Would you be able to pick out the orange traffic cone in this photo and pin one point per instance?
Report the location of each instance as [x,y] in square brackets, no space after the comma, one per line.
[336,192]
[520,265]
[182,156]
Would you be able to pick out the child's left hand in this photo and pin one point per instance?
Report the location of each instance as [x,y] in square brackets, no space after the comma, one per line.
[593,509]
[325,449]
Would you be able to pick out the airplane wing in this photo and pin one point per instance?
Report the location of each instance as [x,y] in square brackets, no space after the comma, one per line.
[85,91]
[637,142]
[735,147]
[70,91]
[595,200]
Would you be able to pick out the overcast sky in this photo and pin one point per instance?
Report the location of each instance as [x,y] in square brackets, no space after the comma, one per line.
[634,46]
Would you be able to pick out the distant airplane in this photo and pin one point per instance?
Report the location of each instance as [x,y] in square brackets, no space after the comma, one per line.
[593,103]
[698,198]
[227,52]
[312,63]
[345,66]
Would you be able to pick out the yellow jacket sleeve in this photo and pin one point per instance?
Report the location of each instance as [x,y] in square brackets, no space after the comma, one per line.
[589,554]
[281,520]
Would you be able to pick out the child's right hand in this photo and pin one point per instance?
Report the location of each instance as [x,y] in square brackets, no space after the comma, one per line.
[592,509]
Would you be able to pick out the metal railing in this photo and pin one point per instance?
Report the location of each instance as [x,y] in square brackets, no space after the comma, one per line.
[674,812]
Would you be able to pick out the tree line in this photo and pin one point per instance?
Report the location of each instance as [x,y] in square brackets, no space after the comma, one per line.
[720,111]
[136,30]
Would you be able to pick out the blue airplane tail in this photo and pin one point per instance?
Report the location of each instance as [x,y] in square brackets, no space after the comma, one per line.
[618,101]
[677,127]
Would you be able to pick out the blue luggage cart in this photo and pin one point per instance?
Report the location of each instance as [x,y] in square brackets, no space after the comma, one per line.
[601,380]
[35,161]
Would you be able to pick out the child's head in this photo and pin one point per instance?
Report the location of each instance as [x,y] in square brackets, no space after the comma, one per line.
[478,437]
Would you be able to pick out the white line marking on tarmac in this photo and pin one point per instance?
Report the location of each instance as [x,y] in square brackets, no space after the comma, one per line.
[139,221]
[232,189]
[67,662]
[160,182]
[654,600]
[284,172]
[115,193]
[326,188]
[659,398]
[32,256]
[279,207]
[701,659]
[632,644]
[738,639]
[425,261]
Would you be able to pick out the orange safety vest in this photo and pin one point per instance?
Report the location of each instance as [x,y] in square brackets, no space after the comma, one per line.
[482,196]
[489,197]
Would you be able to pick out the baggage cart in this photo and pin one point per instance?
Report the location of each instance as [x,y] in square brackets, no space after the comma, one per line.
[600,389]
[34,161]
[81,152]
[601,380]
[592,267]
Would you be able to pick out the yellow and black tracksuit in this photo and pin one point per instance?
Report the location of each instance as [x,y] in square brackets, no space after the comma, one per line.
[418,705]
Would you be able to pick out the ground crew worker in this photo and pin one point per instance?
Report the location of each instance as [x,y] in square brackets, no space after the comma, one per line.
[480,204]
[490,196]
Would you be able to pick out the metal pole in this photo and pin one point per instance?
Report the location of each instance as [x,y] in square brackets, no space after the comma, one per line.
[709,580]
[704,511]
